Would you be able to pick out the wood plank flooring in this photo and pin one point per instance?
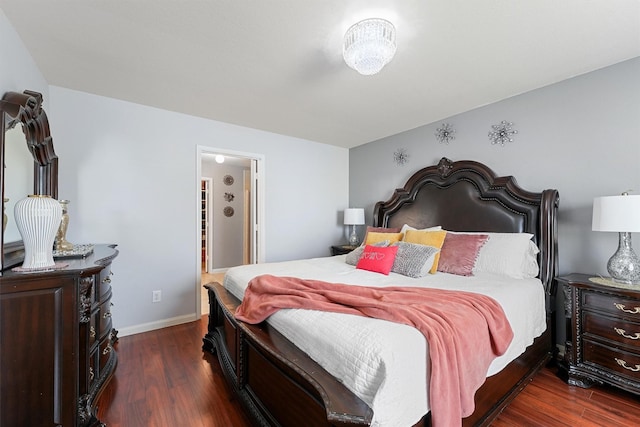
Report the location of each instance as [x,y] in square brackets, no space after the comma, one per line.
[164,379]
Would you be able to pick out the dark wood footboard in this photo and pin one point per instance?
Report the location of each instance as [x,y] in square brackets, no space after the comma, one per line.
[279,385]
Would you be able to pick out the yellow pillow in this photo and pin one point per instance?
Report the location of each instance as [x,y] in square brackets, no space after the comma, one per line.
[429,238]
[380,237]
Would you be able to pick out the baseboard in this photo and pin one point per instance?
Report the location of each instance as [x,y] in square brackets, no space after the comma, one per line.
[159,324]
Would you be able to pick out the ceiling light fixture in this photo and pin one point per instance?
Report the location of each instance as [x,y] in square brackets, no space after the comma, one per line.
[369,45]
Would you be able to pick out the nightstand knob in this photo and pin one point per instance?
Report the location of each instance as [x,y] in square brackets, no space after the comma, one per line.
[622,308]
[624,365]
[624,334]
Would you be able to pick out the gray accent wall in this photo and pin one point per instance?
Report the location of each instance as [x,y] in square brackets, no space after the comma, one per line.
[580,136]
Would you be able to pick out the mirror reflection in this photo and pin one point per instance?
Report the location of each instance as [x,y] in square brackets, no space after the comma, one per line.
[18,174]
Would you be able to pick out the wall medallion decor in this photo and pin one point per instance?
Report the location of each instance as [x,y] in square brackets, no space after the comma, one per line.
[229,197]
[228,180]
[400,156]
[445,133]
[228,211]
[502,133]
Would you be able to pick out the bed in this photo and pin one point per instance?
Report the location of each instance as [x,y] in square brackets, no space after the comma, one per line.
[282,383]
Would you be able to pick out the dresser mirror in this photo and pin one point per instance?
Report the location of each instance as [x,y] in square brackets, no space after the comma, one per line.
[30,165]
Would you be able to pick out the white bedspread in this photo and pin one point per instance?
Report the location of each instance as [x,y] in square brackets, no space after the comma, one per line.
[385,363]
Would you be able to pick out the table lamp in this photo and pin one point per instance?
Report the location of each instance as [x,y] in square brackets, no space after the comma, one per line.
[353,217]
[620,214]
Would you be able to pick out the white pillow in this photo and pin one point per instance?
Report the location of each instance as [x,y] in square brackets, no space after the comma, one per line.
[408,227]
[507,254]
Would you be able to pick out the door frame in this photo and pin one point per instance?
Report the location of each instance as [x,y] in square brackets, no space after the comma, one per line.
[258,207]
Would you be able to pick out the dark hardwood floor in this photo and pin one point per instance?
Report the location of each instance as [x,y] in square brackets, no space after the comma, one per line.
[164,379]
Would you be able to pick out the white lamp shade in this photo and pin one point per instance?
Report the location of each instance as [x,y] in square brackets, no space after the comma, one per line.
[354,216]
[616,213]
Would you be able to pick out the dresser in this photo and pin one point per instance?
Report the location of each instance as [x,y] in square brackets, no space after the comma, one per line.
[56,336]
[603,333]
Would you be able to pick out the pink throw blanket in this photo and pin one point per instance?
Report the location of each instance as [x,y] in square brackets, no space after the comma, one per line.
[465,331]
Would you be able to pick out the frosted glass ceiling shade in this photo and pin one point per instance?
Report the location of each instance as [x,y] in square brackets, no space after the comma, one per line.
[369,45]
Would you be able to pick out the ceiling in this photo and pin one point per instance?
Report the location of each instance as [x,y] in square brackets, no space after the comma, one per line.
[277,65]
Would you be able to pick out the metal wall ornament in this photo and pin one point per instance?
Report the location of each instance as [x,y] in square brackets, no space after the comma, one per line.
[229,197]
[445,133]
[502,133]
[400,156]
[228,180]
[228,211]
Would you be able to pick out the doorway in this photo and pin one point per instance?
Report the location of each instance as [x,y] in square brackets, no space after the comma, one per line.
[230,214]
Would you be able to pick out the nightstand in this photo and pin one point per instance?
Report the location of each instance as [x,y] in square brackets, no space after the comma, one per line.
[341,249]
[603,333]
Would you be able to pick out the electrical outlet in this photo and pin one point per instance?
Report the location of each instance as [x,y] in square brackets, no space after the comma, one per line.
[156,296]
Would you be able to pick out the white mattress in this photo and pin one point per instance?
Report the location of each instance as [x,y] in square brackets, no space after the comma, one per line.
[358,350]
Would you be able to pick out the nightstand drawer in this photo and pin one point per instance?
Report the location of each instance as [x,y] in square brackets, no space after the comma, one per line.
[619,330]
[618,306]
[618,361]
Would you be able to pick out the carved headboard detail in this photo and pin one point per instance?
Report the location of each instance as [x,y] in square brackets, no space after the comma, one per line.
[468,196]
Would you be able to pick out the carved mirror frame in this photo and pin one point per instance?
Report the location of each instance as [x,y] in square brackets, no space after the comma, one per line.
[26,108]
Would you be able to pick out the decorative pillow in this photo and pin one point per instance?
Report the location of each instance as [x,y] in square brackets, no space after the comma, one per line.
[380,230]
[406,227]
[414,260]
[376,259]
[459,253]
[379,237]
[429,238]
[354,256]
[508,254]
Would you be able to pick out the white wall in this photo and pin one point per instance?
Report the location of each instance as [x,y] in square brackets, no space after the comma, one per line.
[18,70]
[130,173]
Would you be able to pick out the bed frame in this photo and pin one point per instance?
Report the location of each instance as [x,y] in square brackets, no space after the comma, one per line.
[279,385]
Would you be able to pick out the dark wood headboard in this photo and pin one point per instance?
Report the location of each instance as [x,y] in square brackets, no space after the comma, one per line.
[468,196]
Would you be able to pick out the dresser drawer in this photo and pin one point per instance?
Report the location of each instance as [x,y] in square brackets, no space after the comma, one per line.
[616,305]
[104,318]
[93,327]
[104,354]
[619,330]
[104,282]
[93,367]
[615,360]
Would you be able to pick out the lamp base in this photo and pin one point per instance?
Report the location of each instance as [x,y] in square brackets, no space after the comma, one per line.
[353,238]
[624,265]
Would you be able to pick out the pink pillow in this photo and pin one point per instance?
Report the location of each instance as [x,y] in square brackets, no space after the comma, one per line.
[459,253]
[377,259]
